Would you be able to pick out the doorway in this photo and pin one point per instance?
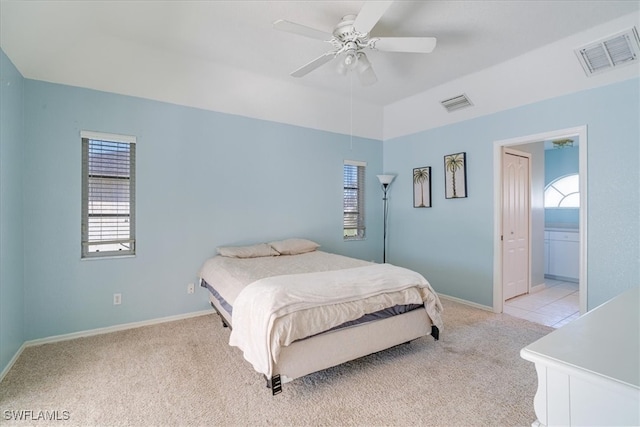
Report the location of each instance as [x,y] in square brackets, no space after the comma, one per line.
[499,146]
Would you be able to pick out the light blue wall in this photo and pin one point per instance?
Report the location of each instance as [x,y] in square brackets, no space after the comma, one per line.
[11,243]
[558,163]
[207,179]
[204,179]
[452,243]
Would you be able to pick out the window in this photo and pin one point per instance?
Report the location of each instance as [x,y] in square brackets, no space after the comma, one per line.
[353,200]
[563,192]
[108,195]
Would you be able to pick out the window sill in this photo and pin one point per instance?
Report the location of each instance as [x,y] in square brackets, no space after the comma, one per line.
[95,258]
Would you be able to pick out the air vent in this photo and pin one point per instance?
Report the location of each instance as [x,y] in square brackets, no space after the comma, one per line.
[456,103]
[615,51]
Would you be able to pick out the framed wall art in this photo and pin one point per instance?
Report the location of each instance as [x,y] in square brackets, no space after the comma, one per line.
[455,176]
[422,187]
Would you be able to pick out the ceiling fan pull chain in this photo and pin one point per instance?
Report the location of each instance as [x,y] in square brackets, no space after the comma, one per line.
[351,112]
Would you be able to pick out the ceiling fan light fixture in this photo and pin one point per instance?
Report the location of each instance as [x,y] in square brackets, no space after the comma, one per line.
[341,68]
[350,60]
[363,63]
[365,71]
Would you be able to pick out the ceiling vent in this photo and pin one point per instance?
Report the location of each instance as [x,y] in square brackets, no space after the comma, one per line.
[456,103]
[606,54]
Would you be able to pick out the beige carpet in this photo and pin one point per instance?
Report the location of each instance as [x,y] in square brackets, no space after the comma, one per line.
[184,373]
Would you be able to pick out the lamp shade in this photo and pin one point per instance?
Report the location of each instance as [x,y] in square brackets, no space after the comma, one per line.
[386,179]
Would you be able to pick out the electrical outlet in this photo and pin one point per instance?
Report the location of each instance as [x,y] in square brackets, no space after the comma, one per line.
[117,299]
[191,288]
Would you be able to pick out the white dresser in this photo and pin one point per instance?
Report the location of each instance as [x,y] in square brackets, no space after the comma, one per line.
[589,370]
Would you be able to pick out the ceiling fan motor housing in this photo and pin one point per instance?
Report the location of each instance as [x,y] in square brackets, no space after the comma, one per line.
[345,33]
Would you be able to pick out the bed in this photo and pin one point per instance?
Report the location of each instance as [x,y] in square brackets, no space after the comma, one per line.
[293,309]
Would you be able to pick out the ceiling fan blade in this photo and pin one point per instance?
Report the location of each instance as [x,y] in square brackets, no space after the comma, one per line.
[302,30]
[370,14]
[307,68]
[405,44]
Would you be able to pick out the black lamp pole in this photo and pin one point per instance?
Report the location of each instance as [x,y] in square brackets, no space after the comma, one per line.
[385,199]
[385,181]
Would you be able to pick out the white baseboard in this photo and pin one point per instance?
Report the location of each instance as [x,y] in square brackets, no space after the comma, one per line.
[537,288]
[99,331]
[465,302]
[12,361]
[115,328]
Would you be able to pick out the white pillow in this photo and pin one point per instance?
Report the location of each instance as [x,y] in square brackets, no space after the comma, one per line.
[252,251]
[294,246]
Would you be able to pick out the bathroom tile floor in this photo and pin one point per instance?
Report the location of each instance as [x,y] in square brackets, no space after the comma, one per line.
[556,305]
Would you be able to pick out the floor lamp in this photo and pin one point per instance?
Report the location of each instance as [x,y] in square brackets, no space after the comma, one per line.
[385,181]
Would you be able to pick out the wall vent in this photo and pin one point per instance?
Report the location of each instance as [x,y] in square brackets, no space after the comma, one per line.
[606,54]
[456,103]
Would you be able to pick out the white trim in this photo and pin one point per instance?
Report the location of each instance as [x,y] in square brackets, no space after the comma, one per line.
[581,132]
[355,163]
[99,331]
[108,257]
[537,288]
[116,328]
[111,137]
[582,221]
[465,302]
[13,360]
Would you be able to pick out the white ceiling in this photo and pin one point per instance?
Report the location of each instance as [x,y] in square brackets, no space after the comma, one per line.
[183,51]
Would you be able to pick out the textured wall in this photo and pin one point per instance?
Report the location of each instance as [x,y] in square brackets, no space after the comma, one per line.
[452,243]
[11,244]
[207,179]
[203,180]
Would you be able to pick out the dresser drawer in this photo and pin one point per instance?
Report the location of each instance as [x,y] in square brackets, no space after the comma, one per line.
[568,236]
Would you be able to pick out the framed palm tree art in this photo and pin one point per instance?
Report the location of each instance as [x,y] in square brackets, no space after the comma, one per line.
[455,176]
[422,187]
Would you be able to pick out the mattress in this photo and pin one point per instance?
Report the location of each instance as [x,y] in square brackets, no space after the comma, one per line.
[228,276]
[377,315]
[225,277]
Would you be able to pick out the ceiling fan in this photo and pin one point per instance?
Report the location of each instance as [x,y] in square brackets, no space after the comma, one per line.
[351,36]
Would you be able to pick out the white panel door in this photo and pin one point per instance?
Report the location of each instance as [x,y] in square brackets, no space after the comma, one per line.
[515,223]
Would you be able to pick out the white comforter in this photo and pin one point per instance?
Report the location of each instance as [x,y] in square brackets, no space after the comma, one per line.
[275,311]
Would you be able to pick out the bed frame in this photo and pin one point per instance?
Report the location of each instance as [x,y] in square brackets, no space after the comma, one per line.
[341,345]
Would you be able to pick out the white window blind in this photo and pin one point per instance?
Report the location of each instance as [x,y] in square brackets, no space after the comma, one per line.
[108,195]
[353,200]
